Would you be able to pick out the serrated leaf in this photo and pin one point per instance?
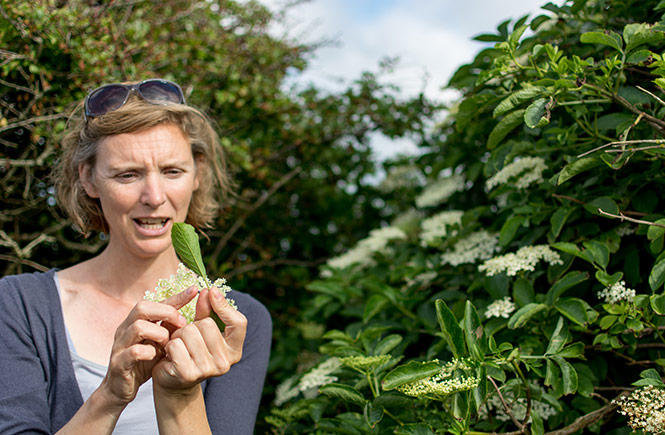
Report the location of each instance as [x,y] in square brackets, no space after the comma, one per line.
[537,427]
[636,34]
[505,126]
[524,314]
[450,329]
[567,281]
[387,344]
[658,304]
[518,32]
[474,332]
[373,306]
[655,231]
[536,115]
[186,244]
[605,203]
[574,309]
[558,339]
[552,373]
[576,167]
[599,251]
[568,375]
[409,372]
[574,350]
[558,220]
[657,275]
[606,279]
[516,98]
[343,392]
[611,40]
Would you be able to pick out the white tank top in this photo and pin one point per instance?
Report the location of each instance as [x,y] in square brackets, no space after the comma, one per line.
[139,416]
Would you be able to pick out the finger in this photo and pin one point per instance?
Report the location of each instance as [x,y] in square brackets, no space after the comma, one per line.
[128,358]
[153,312]
[142,330]
[181,364]
[236,323]
[203,306]
[181,299]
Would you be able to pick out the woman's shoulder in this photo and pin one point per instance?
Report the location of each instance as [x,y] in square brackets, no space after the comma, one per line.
[251,307]
[36,287]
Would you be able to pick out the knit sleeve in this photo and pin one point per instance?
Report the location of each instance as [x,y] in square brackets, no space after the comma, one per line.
[232,400]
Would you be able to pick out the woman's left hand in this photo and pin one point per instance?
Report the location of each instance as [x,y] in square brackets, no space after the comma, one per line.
[200,350]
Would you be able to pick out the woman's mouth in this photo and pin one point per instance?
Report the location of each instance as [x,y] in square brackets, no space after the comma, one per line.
[151,223]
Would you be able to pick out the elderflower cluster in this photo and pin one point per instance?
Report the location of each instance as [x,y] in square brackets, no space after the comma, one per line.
[308,383]
[501,308]
[624,230]
[443,383]
[364,363]
[495,408]
[479,245]
[181,281]
[440,191]
[421,278]
[616,293]
[436,227]
[525,259]
[645,409]
[361,254]
[529,169]
[404,176]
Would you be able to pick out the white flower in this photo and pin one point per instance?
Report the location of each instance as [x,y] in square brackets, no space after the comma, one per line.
[402,176]
[286,391]
[624,230]
[361,254]
[616,293]
[529,169]
[318,376]
[421,278]
[440,191]
[181,281]
[517,406]
[501,308]
[525,259]
[479,245]
[437,226]
[442,384]
[364,363]
[645,408]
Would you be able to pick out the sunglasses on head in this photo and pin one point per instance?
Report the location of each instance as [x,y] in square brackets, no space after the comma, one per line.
[111,97]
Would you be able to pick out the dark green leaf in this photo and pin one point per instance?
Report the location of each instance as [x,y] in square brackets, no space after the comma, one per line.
[524,314]
[559,338]
[505,126]
[658,304]
[516,98]
[655,231]
[523,292]
[599,251]
[414,429]
[612,39]
[186,245]
[606,279]
[568,375]
[410,372]
[537,427]
[657,275]
[344,393]
[558,220]
[569,280]
[574,309]
[637,34]
[474,333]
[373,306]
[537,115]
[387,344]
[450,328]
[605,203]
[574,350]
[509,229]
[577,167]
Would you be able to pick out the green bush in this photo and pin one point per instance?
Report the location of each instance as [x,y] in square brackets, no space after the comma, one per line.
[521,288]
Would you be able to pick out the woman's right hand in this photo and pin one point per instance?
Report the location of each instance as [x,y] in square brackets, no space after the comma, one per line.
[138,345]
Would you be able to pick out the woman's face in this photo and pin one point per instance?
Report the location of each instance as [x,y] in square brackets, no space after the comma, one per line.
[144,182]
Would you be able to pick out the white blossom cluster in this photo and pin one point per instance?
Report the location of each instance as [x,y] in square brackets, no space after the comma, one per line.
[439,191]
[401,177]
[500,308]
[525,259]
[645,409]
[308,383]
[479,245]
[495,408]
[364,363]
[624,230]
[181,281]
[421,278]
[361,254]
[443,383]
[436,227]
[529,169]
[616,293]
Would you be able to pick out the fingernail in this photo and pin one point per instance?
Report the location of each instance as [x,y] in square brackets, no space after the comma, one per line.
[183,320]
[190,291]
[216,293]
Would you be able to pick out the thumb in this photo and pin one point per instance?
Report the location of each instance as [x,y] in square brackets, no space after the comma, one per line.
[234,320]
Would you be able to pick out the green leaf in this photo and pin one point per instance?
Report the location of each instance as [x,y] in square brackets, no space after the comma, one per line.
[516,98]
[574,309]
[658,304]
[186,245]
[372,414]
[655,231]
[521,316]
[343,392]
[577,167]
[558,220]
[517,33]
[612,39]
[387,344]
[552,373]
[505,126]
[605,203]
[568,375]
[657,275]
[329,288]
[414,429]
[474,332]
[450,328]
[488,38]
[509,229]
[567,281]
[599,251]
[537,427]
[374,306]
[523,292]
[574,350]
[559,338]
[649,377]
[606,279]
[636,34]
[409,372]
[537,115]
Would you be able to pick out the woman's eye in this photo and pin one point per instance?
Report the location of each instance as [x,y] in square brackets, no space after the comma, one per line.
[127,176]
[173,172]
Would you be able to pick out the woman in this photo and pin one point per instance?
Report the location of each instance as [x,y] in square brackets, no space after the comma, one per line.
[80,351]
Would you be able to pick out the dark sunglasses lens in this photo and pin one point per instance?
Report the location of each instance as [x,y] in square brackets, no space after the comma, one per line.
[157,90]
[106,99]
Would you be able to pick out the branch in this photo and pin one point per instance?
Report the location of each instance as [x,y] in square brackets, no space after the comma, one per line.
[506,407]
[264,197]
[37,266]
[623,217]
[651,94]
[32,121]
[588,419]
[621,143]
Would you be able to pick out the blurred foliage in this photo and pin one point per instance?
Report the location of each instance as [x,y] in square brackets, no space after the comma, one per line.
[300,157]
[520,290]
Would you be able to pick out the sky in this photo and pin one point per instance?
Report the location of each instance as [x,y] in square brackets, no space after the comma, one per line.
[431,38]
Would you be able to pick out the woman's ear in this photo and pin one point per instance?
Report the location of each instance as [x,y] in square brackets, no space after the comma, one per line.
[85,175]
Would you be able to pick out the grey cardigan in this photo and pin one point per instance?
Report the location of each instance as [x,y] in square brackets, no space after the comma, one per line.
[38,389]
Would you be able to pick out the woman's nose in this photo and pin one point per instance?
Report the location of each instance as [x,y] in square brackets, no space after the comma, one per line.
[153,193]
